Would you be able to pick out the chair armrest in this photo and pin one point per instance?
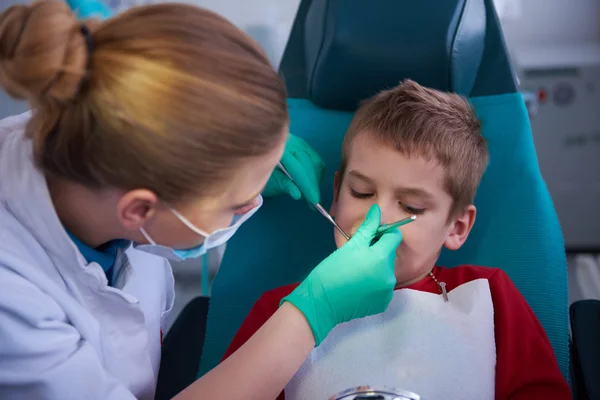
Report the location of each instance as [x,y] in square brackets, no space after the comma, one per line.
[585,350]
[182,349]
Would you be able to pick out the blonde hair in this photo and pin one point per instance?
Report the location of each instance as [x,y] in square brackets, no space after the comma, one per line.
[439,126]
[171,98]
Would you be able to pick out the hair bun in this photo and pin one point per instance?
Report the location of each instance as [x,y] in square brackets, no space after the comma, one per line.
[43,54]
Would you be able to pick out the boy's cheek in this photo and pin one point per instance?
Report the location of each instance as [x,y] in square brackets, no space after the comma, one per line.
[349,215]
[355,227]
[402,249]
[350,227]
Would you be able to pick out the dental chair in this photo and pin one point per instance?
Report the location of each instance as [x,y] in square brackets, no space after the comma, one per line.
[340,53]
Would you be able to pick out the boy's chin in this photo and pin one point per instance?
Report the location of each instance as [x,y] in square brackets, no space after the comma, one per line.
[408,272]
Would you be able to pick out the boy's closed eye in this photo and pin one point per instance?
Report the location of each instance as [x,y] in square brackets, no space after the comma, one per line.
[360,195]
[413,210]
[367,195]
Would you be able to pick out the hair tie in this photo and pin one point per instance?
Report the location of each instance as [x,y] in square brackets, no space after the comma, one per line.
[89,43]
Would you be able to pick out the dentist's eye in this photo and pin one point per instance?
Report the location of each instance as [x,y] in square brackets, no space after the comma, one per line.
[412,210]
[360,195]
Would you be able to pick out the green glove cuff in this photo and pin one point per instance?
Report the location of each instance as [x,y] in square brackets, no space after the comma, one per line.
[303,299]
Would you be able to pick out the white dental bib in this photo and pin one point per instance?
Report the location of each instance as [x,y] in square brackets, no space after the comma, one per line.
[421,344]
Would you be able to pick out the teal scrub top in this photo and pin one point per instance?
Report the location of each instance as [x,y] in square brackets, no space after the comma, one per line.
[105,255]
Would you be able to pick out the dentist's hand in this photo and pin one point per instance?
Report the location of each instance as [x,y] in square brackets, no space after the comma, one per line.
[355,281]
[304,165]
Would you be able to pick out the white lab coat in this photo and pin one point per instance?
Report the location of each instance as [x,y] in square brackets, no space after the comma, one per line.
[65,334]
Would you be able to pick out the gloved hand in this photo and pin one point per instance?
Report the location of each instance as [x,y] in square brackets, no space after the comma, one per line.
[355,281]
[304,165]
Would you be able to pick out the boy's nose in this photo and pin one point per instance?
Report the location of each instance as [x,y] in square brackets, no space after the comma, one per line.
[389,214]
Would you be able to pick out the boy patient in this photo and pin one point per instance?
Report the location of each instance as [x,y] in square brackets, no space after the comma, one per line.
[418,151]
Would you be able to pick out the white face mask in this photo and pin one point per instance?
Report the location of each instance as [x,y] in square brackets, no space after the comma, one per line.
[212,240]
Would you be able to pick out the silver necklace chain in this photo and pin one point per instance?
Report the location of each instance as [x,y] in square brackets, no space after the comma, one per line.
[442,286]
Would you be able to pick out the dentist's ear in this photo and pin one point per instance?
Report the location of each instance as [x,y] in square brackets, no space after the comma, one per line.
[460,227]
[337,182]
[136,207]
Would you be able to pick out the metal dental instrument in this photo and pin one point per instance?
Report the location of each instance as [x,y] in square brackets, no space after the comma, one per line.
[394,225]
[330,218]
[318,206]
[390,227]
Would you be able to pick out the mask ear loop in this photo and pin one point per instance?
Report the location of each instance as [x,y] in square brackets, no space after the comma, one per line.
[147,237]
[204,275]
[187,223]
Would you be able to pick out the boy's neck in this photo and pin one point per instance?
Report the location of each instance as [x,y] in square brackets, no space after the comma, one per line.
[413,281]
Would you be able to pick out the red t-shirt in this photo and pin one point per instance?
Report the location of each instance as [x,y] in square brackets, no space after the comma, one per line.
[526,367]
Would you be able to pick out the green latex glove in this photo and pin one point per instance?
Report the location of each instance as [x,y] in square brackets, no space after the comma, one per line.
[355,281]
[304,165]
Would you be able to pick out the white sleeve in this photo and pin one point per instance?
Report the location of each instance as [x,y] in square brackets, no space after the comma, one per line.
[41,355]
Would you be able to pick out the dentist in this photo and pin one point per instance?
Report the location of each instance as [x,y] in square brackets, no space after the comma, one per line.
[151,136]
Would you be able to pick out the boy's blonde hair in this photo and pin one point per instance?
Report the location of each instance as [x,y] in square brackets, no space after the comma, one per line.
[423,122]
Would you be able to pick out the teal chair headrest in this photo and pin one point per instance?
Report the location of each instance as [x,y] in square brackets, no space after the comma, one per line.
[353,50]
[341,52]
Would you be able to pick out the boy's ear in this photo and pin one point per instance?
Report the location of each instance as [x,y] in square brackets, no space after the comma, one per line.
[460,228]
[337,181]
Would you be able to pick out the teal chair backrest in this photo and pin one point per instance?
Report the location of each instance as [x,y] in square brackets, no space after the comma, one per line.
[517,228]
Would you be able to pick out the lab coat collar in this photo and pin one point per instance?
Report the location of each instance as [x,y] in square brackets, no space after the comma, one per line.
[24,191]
